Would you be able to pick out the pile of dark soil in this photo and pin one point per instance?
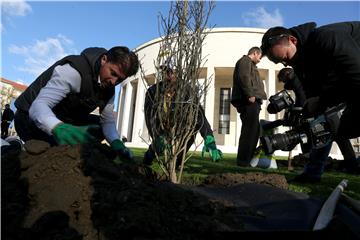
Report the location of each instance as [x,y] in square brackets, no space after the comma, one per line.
[231,179]
[72,193]
[300,160]
[82,190]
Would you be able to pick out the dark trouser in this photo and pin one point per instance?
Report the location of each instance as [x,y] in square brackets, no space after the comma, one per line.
[318,157]
[349,123]
[346,149]
[315,166]
[250,130]
[27,130]
[4,129]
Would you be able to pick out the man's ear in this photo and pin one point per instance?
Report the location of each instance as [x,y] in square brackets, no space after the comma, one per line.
[103,59]
[293,40]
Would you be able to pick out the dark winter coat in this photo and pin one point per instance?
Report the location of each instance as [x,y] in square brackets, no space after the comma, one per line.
[327,61]
[202,123]
[8,115]
[294,84]
[246,82]
[75,107]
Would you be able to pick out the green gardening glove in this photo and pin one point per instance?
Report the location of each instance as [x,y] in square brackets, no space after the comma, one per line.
[122,151]
[210,146]
[159,144]
[65,133]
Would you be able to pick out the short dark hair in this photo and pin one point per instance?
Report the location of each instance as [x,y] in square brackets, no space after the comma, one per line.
[7,105]
[166,69]
[272,37]
[128,59]
[286,74]
[253,50]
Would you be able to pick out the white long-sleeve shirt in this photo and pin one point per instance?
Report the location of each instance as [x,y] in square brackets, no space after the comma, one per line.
[66,79]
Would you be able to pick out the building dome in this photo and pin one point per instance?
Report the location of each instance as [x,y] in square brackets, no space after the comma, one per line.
[222,48]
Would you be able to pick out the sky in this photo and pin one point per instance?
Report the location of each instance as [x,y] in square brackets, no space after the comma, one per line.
[35,34]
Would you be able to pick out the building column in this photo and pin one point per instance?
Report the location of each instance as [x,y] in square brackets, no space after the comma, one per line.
[139,111]
[126,113]
[271,86]
[120,107]
[210,96]
[238,129]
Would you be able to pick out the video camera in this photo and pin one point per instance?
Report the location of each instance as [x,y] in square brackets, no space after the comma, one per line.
[279,101]
[316,132]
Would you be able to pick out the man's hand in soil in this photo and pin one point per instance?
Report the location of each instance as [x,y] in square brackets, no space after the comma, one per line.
[65,133]
[123,152]
[210,146]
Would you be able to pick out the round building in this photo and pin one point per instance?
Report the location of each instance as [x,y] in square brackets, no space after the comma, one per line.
[222,48]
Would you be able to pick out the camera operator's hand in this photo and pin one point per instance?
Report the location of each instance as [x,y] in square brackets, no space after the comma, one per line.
[312,107]
[252,99]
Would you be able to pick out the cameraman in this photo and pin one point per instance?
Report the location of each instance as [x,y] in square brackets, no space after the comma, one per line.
[315,167]
[247,96]
[327,61]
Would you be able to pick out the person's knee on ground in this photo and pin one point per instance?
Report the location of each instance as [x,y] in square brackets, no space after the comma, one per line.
[149,156]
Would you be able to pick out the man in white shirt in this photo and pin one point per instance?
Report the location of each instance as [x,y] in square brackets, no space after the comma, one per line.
[56,107]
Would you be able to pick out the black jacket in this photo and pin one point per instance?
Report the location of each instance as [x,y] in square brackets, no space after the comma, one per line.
[151,105]
[327,61]
[294,84]
[8,115]
[75,107]
[246,82]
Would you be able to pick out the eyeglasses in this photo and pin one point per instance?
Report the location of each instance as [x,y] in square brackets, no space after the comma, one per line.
[274,39]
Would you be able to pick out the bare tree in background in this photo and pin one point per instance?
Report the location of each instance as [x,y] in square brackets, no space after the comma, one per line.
[7,93]
[175,107]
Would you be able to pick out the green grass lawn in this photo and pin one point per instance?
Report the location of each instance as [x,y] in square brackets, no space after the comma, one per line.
[197,168]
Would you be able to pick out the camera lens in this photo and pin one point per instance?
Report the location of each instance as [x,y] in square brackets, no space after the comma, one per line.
[285,141]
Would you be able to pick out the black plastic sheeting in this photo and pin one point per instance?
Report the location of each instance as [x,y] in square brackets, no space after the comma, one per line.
[263,207]
[274,212]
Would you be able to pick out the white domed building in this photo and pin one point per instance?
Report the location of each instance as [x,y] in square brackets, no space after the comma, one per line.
[222,48]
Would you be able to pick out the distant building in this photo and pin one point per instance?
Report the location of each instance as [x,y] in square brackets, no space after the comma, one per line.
[10,90]
[222,47]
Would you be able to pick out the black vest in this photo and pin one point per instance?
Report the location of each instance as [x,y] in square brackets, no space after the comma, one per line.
[75,107]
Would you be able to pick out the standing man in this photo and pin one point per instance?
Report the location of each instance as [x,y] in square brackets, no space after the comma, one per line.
[6,119]
[327,62]
[247,96]
[56,107]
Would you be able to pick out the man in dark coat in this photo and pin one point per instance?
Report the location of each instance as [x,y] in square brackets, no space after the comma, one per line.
[57,106]
[327,62]
[247,96]
[6,118]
